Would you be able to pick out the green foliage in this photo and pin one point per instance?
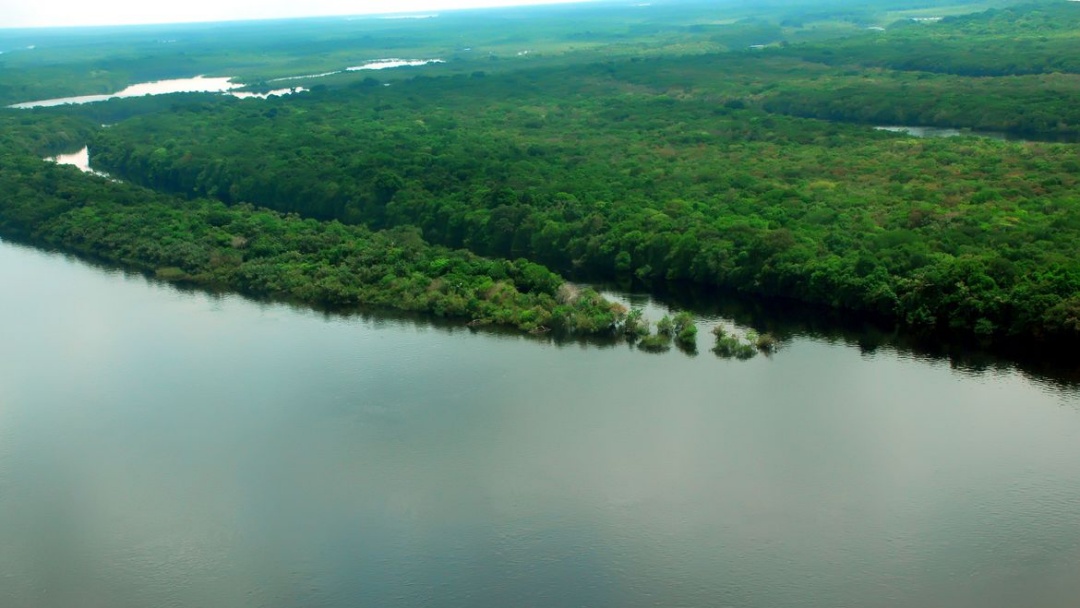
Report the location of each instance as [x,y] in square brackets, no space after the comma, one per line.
[730,346]
[824,213]
[670,163]
[265,253]
[1033,105]
[658,342]
[1035,38]
[687,336]
[665,326]
[105,60]
[635,325]
[685,330]
[766,343]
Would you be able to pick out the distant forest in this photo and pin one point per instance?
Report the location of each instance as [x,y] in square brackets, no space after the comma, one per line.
[694,143]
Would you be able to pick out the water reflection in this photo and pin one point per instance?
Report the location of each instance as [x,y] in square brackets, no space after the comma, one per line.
[198,84]
[170,448]
[740,315]
[789,321]
[267,94]
[925,131]
[384,64]
[79,159]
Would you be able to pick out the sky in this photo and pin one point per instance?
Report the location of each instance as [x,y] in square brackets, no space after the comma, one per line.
[49,13]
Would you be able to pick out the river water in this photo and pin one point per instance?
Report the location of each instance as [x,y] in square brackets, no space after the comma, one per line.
[79,159]
[925,131]
[166,448]
[919,131]
[198,84]
[202,84]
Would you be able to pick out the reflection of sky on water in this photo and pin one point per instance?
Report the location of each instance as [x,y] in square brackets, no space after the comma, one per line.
[198,84]
[385,64]
[159,446]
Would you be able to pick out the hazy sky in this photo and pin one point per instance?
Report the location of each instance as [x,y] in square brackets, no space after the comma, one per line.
[35,13]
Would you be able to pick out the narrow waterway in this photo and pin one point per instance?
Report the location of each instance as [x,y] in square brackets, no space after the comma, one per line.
[197,84]
[925,131]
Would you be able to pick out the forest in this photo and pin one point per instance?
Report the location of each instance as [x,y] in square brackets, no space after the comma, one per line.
[677,148]
[263,253]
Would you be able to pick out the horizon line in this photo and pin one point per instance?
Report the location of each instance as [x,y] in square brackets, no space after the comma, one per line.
[374,13]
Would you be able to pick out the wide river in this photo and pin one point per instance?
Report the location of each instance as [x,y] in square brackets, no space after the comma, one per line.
[172,449]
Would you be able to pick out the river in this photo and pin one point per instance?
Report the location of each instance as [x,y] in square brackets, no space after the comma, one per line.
[921,131]
[197,84]
[168,448]
[926,131]
[202,84]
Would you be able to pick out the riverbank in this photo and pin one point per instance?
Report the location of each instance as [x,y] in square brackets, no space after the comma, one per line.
[210,450]
[265,253]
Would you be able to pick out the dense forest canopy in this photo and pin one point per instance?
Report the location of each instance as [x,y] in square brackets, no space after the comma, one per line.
[263,253]
[716,144]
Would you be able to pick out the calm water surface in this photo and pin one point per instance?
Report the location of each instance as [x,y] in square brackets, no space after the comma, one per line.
[384,64]
[947,132]
[202,84]
[198,84]
[161,448]
[921,131]
[79,159]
